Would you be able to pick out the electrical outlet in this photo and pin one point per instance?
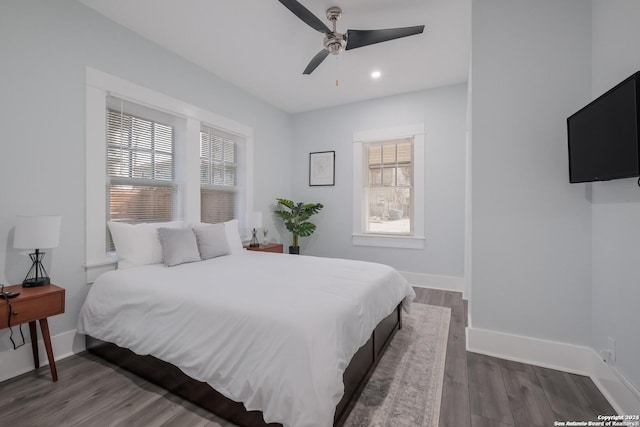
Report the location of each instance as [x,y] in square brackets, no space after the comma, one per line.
[612,350]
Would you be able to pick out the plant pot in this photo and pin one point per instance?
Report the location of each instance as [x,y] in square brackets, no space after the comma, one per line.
[295,250]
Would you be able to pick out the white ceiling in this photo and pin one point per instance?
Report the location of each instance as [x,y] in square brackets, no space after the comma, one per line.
[261,47]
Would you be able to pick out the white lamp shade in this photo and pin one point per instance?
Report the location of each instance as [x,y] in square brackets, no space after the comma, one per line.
[37,232]
[255,220]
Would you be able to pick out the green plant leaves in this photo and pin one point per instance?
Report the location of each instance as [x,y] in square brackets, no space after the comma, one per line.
[295,218]
[306,229]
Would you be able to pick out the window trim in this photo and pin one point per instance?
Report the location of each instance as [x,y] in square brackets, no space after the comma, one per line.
[99,85]
[417,239]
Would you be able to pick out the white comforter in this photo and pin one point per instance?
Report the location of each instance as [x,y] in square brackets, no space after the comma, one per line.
[272,331]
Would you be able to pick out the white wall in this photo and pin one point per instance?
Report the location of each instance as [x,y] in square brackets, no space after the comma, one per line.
[443,112]
[616,204]
[531,247]
[45,48]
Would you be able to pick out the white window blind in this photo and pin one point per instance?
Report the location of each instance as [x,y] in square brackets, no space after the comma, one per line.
[140,169]
[388,186]
[218,175]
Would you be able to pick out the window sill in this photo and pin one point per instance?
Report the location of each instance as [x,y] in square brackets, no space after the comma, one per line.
[381,240]
[97,267]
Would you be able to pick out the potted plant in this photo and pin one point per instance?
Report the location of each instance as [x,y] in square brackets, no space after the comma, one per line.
[295,218]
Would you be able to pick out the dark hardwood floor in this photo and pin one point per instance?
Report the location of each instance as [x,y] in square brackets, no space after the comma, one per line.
[483,391]
[478,391]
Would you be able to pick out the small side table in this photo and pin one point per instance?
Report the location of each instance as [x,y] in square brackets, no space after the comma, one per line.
[34,304]
[269,247]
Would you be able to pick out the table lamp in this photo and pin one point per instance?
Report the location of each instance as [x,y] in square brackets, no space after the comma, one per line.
[36,232]
[255,221]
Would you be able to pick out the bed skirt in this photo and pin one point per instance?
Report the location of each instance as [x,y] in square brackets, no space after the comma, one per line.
[173,379]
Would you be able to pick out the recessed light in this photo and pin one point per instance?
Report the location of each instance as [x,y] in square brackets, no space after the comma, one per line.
[376,75]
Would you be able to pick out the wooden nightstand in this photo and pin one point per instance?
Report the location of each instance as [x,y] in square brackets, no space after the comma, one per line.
[34,304]
[269,247]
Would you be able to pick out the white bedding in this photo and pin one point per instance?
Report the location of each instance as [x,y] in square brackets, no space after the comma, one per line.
[272,331]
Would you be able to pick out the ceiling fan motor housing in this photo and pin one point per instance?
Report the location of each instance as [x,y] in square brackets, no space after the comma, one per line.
[335,43]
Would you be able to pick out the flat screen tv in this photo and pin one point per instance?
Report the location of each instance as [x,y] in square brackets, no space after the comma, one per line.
[603,136]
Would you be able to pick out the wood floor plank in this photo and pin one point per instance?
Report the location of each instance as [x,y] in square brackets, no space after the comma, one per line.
[436,297]
[466,312]
[108,391]
[454,408]
[456,369]
[566,399]
[456,344]
[452,299]
[120,407]
[478,421]
[517,366]
[528,402]
[488,396]
[53,405]
[194,416]
[62,392]
[422,295]
[190,419]
[593,396]
[156,413]
[27,385]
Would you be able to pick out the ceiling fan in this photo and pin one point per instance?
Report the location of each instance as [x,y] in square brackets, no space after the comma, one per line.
[335,42]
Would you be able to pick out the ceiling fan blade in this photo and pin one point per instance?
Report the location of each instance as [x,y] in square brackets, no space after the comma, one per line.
[317,60]
[303,13]
[361,38]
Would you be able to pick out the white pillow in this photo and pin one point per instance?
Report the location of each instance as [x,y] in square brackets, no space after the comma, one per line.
[233,235]
[138,244]
[179,246]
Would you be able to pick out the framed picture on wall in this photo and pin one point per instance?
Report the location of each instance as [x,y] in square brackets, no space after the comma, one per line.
[322,168]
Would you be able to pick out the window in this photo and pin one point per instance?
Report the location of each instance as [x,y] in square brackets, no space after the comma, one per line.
[218,175]
[388,187]
[140,168]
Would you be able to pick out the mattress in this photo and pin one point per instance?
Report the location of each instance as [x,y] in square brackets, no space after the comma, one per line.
[273,331]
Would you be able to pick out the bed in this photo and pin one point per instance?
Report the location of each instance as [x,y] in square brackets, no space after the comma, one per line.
[290,337]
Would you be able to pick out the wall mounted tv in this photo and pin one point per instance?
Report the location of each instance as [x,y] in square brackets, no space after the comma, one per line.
[604,135]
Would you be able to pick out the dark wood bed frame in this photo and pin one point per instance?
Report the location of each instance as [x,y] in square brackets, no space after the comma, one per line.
[173,379]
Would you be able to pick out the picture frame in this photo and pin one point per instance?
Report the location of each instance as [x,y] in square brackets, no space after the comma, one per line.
[322,168]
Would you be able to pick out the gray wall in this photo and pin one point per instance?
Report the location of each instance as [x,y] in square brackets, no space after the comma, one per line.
[531,247]
[443,112]
[45,47]
[616,204]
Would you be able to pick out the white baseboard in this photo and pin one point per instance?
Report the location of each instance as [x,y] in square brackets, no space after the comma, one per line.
[622,395]
[17,362]
[435,281]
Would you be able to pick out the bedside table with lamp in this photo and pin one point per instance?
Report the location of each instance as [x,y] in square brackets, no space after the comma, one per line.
[36,299]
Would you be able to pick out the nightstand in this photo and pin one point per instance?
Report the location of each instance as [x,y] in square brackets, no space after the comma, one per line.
[269,247]
[34,304]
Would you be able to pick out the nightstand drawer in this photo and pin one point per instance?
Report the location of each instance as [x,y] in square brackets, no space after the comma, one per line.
[29,309]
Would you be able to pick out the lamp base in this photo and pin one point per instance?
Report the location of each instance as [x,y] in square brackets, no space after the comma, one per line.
[37,275]
[254,241]
[34,283]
